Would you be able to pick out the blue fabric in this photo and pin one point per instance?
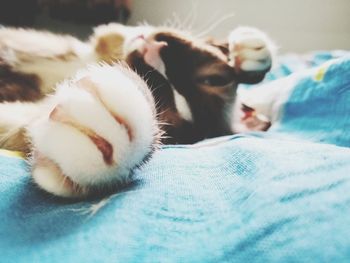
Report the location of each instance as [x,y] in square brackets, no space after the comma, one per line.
[293,63]
[319,107]
[280,196]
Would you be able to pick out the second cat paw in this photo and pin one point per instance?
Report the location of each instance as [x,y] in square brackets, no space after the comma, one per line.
[251,52]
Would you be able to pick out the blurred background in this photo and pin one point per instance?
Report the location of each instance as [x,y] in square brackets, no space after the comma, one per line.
[295,25]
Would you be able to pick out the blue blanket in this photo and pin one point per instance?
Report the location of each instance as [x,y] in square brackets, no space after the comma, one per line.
[276,196]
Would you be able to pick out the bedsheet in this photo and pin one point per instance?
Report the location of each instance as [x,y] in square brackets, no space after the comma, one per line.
[276,196]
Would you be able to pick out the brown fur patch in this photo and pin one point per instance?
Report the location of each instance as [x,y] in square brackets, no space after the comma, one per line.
[110,47]
[186,65]
[16,141]
[186,62]
[176,130]
[16,86]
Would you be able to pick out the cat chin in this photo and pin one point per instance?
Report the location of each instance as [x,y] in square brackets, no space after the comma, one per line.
[97,127]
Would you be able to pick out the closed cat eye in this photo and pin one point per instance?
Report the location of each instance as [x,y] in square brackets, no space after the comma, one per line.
[214,80]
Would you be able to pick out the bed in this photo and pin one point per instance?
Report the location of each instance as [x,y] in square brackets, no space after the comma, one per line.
[276,196]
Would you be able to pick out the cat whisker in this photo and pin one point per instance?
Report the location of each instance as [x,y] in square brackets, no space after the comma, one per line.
[143,23]
[180,24]
[213,25]
[164,123]
[191,18]
[148,73]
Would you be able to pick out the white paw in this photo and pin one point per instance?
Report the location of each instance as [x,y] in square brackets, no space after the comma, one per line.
[115,41]
[250,50]
[95,129]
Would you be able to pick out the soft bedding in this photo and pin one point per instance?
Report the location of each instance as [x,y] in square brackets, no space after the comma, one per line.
[276,196]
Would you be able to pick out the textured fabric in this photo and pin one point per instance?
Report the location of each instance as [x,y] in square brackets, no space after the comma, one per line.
[318,108]
[279,196]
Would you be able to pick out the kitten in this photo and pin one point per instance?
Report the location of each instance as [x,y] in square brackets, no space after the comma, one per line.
[102,121]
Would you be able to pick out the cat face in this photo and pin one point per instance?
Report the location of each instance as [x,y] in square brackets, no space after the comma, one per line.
[193,82]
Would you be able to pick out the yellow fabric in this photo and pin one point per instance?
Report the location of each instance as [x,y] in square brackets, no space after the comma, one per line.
[12,153]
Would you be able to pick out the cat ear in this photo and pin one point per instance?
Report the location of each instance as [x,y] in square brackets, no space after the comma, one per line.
[250,52]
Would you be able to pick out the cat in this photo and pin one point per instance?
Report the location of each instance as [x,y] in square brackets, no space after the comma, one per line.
[88,113]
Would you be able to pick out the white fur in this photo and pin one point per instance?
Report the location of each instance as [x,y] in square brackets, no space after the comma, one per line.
[38,52]
[50,178]
[153,58]
[54,71]
[252,47]
[16,114]
[267,101]
[182,106]
[131,35]
[74,153]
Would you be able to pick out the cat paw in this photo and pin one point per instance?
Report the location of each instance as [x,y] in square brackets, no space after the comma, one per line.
[94,131]
[251,53]
[113,42]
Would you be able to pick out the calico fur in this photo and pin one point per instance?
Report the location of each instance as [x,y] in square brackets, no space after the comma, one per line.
[101,121]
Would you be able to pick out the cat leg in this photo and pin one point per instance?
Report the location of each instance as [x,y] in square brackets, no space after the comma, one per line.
[251,52]
[98,126]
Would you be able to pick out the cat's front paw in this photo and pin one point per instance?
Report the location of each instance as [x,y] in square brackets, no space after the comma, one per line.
[94,130]
[251,53]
